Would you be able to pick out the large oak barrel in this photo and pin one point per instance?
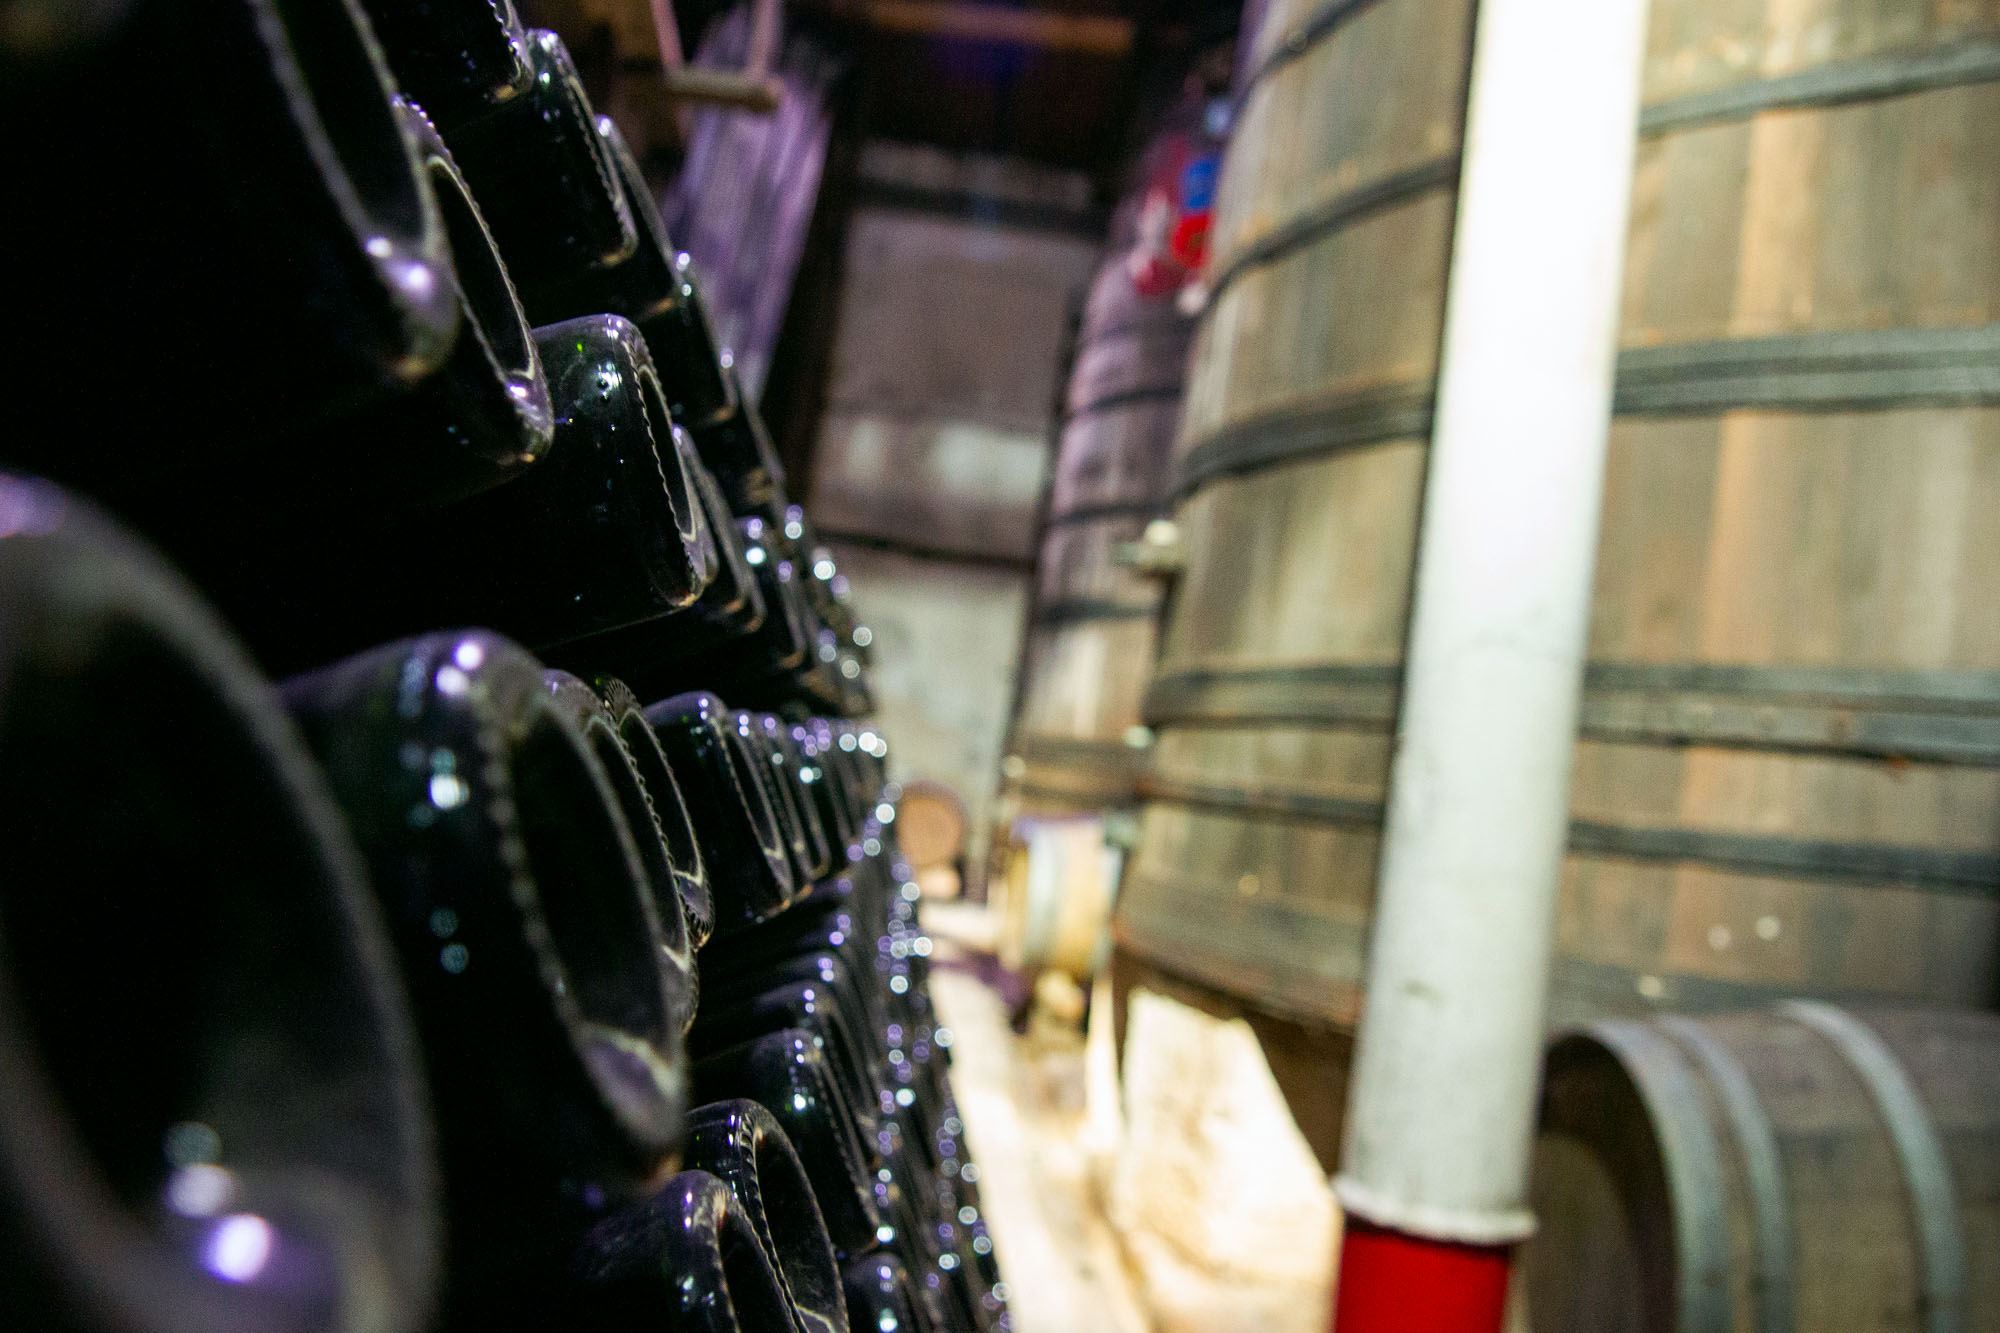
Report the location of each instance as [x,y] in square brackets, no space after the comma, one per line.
[1788,780]
[1799,1169]
[1089,652]
[1299,466]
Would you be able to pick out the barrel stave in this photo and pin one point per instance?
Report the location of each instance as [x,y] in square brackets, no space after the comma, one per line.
[1299,468]
[1386,91]
[1114,456]
[1853,1243]
[1086,680]
[1792,539]
[1305,563]
[1257,907]
[1080,568]
[1359,308]
[1716,44]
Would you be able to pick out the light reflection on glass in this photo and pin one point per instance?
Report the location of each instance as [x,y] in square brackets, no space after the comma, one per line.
[191,1142]
[419,280]
[200,1190]
[239,1247]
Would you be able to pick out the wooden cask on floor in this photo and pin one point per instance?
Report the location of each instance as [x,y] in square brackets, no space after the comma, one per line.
[1090,647]
[1789,775]
[1804,1169]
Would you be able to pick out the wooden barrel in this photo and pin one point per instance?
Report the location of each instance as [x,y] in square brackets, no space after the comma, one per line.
[1789,775]
[1090,645]
[930,825]
[1804,1169]
[1059,887]
[1299,465]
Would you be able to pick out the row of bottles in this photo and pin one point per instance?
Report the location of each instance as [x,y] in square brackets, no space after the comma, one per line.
[447,982]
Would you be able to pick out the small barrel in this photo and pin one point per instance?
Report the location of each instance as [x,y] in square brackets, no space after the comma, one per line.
[1059,890]
[930,824]
[1798,1169]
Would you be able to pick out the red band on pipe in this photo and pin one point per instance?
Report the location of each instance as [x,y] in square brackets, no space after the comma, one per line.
[1390,1282]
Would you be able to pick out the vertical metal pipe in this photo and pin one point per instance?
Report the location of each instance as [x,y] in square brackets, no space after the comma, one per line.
[1441,1107]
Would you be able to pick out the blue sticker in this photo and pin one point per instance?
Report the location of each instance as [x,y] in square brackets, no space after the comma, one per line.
[1198,182]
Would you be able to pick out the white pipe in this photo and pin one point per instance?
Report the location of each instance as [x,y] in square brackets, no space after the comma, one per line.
[1440,1112]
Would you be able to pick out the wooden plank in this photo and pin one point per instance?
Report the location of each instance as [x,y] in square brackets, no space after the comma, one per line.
[1090,34]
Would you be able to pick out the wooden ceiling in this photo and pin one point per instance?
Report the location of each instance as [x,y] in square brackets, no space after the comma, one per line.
[1055,81]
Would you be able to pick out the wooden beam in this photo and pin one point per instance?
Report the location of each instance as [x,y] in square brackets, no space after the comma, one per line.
[1093,34]
[722,87]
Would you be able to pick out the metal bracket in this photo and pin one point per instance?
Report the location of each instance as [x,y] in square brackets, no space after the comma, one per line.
[753,88]
[1159,553]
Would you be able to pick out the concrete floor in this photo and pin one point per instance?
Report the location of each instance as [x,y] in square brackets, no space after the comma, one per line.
[1023,1102]
[1191,1210]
